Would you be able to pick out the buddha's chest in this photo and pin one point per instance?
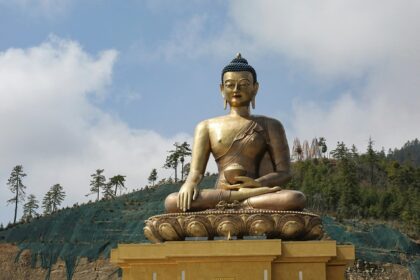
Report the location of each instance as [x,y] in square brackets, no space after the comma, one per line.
[224,134]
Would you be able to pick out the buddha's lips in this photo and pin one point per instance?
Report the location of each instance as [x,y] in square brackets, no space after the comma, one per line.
[237,96]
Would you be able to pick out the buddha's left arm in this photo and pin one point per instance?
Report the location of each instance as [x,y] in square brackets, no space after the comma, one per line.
[280,155]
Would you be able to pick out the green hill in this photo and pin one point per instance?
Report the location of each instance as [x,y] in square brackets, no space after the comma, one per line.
[409,153]
[92,230]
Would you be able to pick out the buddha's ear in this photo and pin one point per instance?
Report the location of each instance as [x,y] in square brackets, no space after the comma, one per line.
[224,98]
[221,90]
[256,87]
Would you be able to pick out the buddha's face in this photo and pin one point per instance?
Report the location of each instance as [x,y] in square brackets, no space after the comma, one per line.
[238,88]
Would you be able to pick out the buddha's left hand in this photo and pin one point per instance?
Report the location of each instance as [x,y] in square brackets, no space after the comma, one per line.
[246,182]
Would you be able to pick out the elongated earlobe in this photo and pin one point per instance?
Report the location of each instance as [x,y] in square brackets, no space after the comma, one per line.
[225,105]
[253,102]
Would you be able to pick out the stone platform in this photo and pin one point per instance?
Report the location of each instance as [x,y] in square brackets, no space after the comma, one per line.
[211,224]
[234,260]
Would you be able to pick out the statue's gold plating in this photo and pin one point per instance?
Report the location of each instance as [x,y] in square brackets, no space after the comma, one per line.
[255,143]
[287,225]
[253,160]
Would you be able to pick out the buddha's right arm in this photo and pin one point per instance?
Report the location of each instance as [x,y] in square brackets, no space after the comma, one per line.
[199,159]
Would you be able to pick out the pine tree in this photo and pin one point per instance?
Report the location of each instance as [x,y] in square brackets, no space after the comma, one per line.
[172,161]
[57,196]
[152,177]
[97,183]
[184,150]
[372,159]
[354,152]
[178,155]
[186,171]
[16,186]
[29,208]
[117,182]
[107,191]
[347,179]
[46,203]
[340,152]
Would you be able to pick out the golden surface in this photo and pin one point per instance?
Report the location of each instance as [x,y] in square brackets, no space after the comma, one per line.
[287,225]
[234,259]
[256,143]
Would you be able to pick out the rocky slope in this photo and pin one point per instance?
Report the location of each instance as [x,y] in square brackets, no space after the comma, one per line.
[21,269]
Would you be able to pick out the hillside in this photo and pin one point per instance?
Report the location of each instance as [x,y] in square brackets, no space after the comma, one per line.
[92,230]
[409,153]
[367,186]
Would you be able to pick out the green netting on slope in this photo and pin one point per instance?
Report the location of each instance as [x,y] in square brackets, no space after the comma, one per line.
[377,243]
[415,268]
[90,230]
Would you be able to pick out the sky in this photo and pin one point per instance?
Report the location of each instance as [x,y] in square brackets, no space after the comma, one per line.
[111,85]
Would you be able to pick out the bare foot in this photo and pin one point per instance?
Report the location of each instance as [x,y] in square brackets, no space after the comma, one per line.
[244,193]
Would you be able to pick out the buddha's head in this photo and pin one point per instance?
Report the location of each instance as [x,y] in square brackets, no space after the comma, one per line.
[239,83]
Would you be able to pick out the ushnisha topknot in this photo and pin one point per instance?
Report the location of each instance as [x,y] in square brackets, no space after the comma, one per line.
[239,64]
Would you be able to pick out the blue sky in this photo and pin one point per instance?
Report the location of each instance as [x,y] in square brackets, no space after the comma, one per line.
[113,84]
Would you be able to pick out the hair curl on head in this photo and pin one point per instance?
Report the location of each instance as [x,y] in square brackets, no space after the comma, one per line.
[239,64]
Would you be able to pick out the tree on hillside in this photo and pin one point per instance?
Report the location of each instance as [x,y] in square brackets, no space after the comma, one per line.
[172,161]
[153,176]
[186,171]
[184,150]
[97,183]
[323,144]
[409,153]
[46,203]
[340,152]
[57,196]
[353,151]
[53,199]
[16,187]
[297,151]
[178,155]
[107,191]
[372,159]
[347,179]
[117,182]
[29,208]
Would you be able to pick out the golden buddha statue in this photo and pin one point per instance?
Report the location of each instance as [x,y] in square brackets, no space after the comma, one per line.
[251,152]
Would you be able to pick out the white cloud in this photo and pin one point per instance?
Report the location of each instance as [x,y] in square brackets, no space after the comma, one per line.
[52,129]
[375,42]
[333,37]
[191,39]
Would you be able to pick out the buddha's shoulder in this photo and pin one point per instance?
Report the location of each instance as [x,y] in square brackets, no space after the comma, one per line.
[267,121]
[215,120]
[205,124]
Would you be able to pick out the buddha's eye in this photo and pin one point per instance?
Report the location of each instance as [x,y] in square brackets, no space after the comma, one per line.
[229,85]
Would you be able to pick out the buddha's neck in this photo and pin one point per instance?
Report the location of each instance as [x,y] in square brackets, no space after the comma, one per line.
[243,111]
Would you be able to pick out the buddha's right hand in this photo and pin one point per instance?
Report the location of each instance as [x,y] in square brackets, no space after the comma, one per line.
[186,195]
